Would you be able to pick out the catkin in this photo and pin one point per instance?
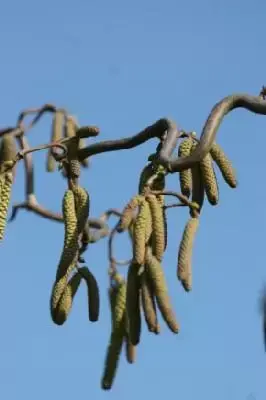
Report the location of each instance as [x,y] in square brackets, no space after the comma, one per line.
[5,194]
[70,126]
[71,246]
[8,148]
[197,185]
[185,177]
[158,236]
[148,304]
[93,293]
[64,306]
[133,303]
[56,134]
[128,213]
[209,180]
[82,207]
[184,272]
[117,298]
[140,233]
[156,274]
[224,165]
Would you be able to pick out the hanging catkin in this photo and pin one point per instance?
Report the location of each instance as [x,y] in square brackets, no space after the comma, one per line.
[185,176]
[133,303]
[184,267]
[209,180]
[158,234]
[140,233]
[64,306]
[70,251]
[128,213]
[118,307]
[224,164]
[197,184]
[156,275]
[148,303]
[93,293]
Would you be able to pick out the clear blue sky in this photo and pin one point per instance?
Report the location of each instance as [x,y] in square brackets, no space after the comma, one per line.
[122,65]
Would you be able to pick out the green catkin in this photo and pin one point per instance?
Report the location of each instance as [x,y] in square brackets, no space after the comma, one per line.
[128,213]
[117,298]
[140,233]
[133,303]
[93,293]
[8,148]
[185,177]
[148,304]
[56,134]
[71,245]
[82,207]
[209,180]
[184,269]
[64,306]
[156,275]
[224,164]
[158,234]
[5,194]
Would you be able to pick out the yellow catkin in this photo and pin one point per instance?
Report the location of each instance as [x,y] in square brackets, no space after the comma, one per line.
[118,307]
[158,244]
[133,303]
[71,245]
[93,293]
[197,184]
[82,207]
[224,164]
[148,304]
[148,227]
[6,186]
[185,177]
[184,270]
[140,233]
[64,306]
[128,213]
[56,134]
[209,180]
[156,274]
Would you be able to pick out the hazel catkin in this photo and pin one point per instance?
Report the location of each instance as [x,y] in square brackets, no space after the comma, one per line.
[93,293]
[156,274]
[117,298]
[224,164]
[184,271]
[185,176]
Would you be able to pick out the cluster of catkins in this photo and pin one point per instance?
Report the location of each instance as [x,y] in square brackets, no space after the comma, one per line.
[8,151]
[65,126]
[75,211]
[144,217]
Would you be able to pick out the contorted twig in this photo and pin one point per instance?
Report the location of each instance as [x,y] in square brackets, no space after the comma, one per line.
[255,104]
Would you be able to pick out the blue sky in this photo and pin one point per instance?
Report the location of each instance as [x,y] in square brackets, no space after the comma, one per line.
[122,65]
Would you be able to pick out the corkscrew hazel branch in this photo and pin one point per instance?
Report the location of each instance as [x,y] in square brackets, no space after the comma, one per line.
[255,104]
